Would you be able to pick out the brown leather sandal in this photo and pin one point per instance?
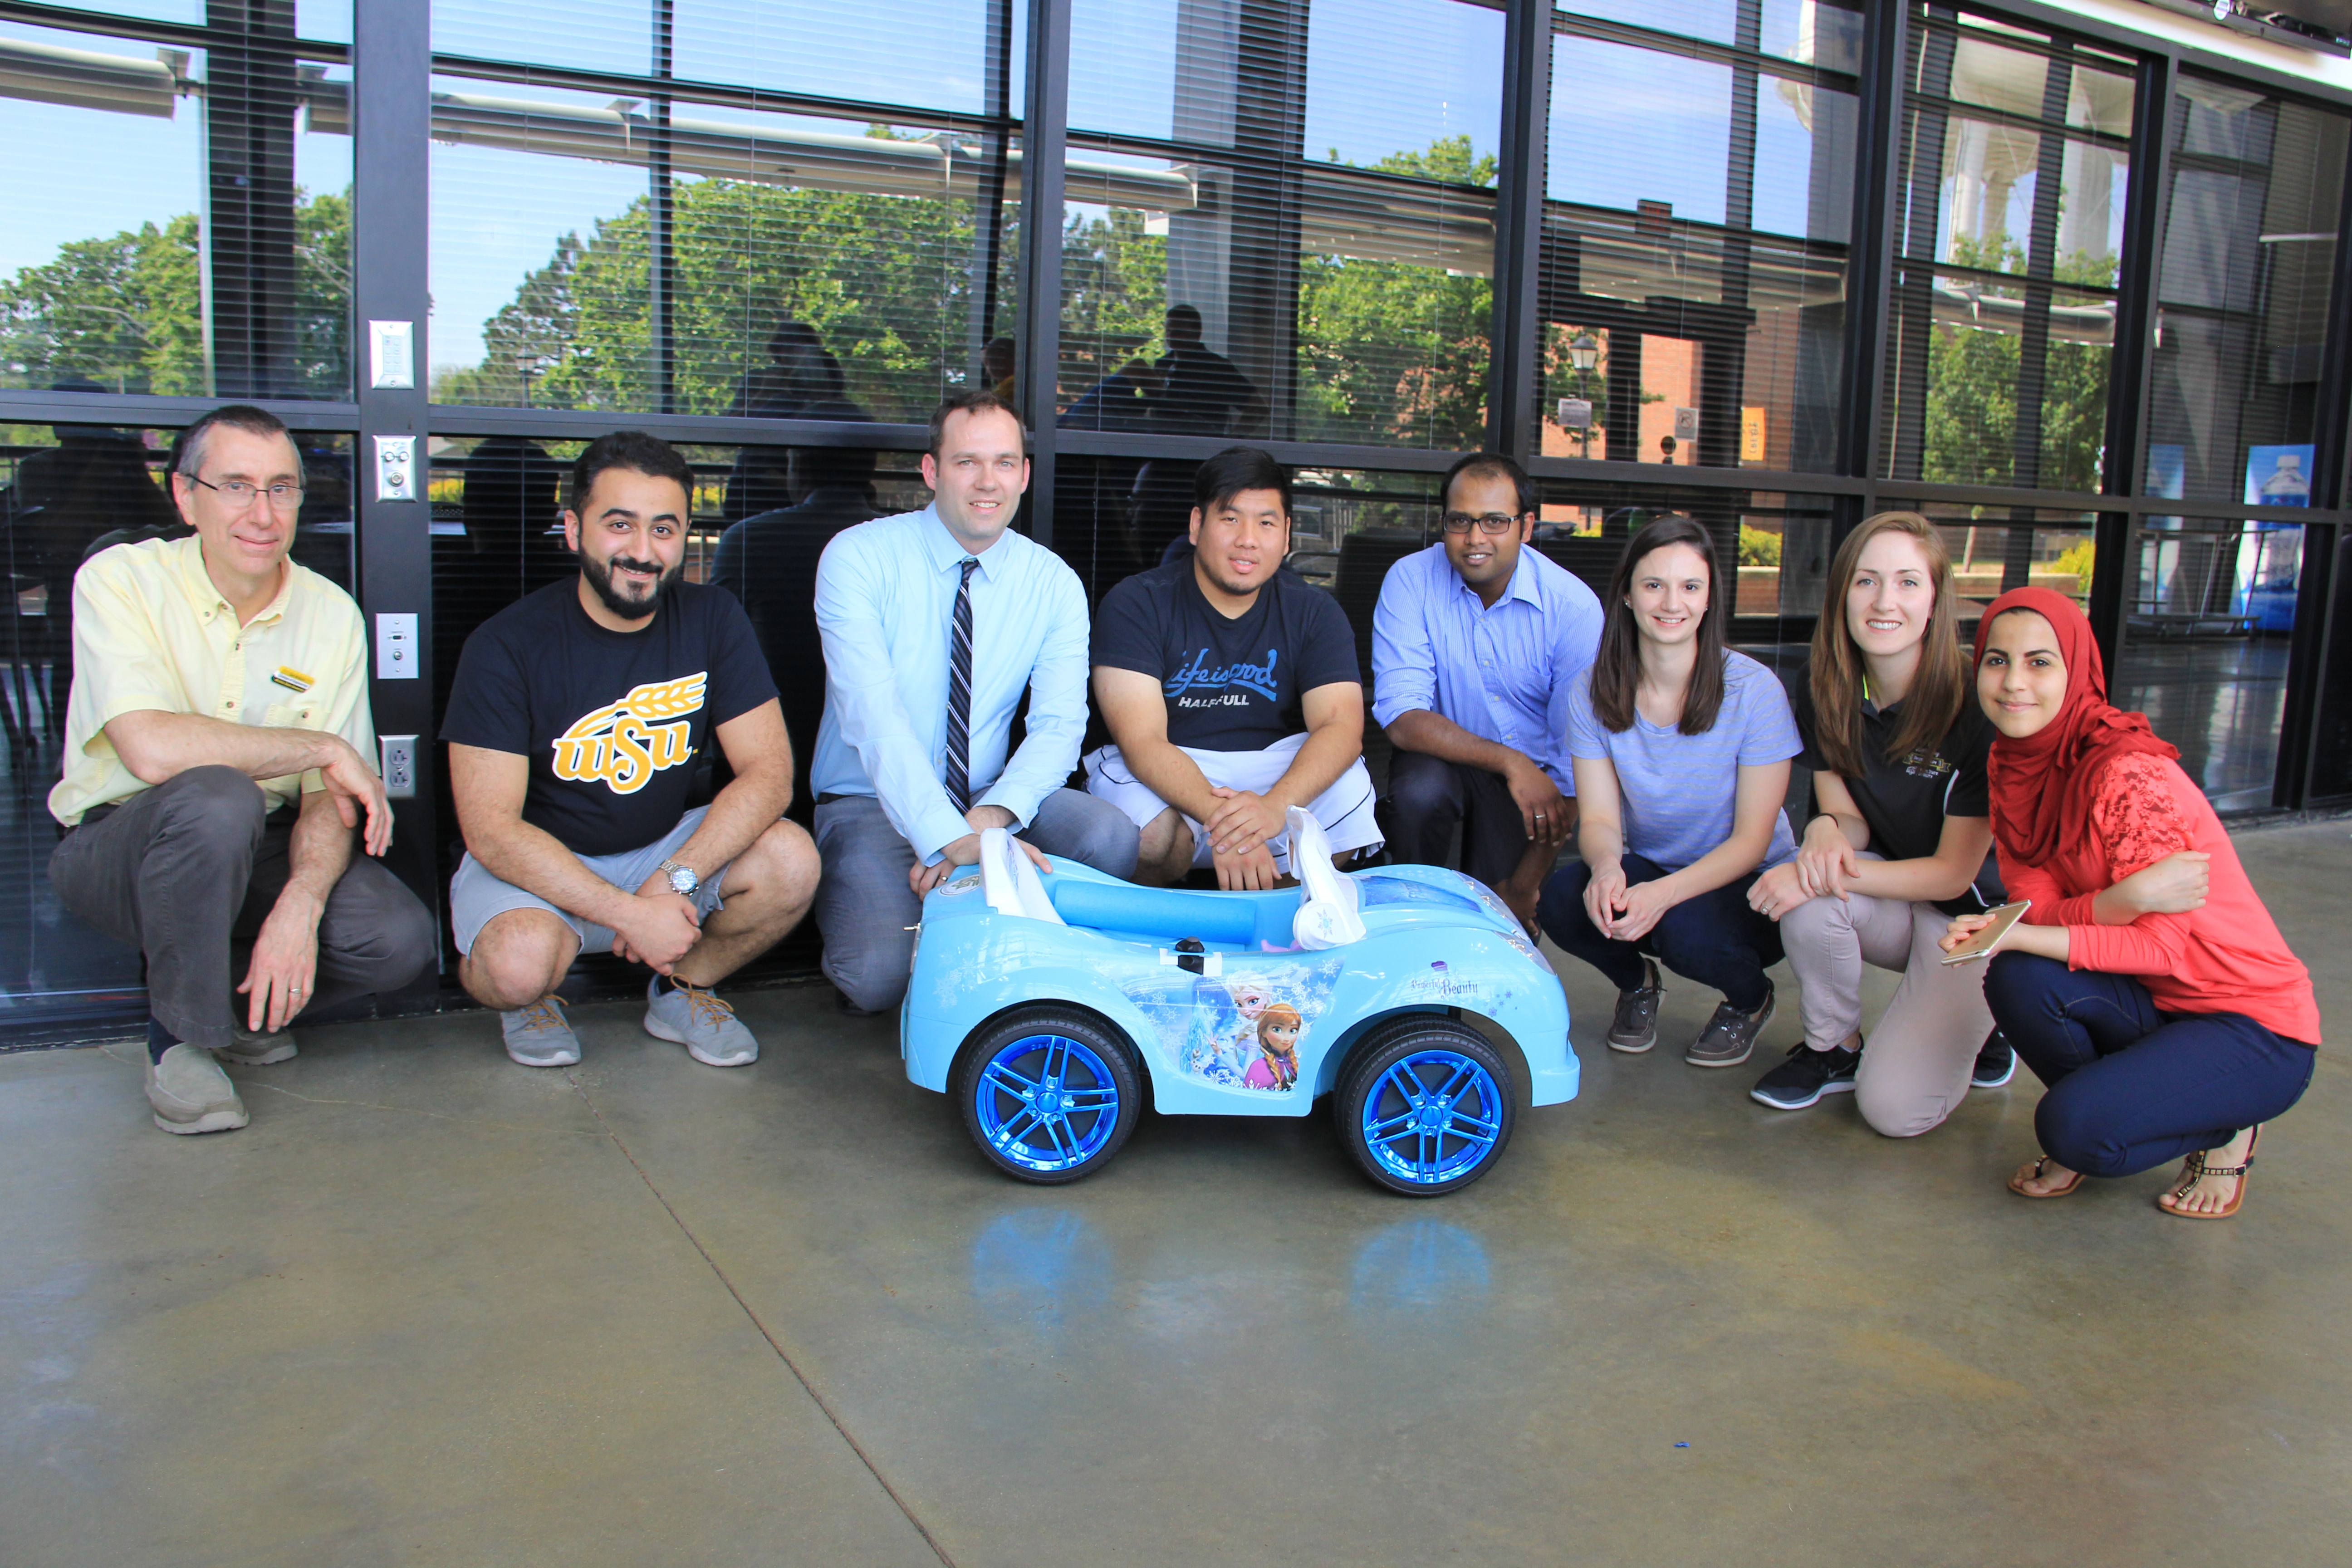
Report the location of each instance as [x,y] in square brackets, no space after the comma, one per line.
[2016,1184]
[2194,1169]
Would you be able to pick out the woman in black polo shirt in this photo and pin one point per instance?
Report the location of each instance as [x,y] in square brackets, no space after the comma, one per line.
[1899,845]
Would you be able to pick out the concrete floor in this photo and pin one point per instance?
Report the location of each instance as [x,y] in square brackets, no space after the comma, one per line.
[433,1308]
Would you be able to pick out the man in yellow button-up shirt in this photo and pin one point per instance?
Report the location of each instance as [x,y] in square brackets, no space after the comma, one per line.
[217,745]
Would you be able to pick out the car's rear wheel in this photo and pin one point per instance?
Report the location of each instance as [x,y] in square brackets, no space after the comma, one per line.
[1426,1106]
[1049,1094]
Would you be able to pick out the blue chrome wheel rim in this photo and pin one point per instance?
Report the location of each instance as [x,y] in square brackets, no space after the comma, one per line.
[1046,1102]
[1433,1118]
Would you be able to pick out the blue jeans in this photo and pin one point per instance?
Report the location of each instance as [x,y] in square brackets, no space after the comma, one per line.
[2131,1088]
[1714,939]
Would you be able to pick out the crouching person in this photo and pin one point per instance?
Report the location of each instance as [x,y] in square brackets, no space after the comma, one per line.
[218,742]
[1232,693]
[575,715]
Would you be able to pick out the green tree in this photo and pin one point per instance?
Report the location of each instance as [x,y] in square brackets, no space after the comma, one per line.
[127,311]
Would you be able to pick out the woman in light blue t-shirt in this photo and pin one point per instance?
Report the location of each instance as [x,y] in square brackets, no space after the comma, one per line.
[1681,749]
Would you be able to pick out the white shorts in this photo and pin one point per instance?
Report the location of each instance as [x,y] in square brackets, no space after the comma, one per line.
[1345,809]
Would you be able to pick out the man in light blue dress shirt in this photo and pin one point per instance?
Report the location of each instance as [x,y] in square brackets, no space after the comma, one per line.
[1475,643]
[889,825]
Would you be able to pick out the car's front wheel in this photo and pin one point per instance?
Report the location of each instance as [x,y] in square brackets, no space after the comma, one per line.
[1049,1094]
[1426,1106]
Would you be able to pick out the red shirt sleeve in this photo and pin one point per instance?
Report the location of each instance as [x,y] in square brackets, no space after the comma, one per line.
[2138,822]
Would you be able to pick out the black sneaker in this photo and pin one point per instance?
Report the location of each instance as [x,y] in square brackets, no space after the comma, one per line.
[1634,1027]
[1996,1063]
[1806,1075]
[1729,1036]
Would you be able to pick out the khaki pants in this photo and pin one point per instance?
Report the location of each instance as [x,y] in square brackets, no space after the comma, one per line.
[1924,1048]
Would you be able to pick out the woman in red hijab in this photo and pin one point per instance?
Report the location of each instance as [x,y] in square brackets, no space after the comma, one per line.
[2158,1036]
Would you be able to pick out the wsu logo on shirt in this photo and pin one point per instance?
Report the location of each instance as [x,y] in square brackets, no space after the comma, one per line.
[626,744]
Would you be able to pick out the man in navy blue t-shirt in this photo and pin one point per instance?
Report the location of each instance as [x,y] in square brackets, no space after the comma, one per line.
[572,727]
[1232,692]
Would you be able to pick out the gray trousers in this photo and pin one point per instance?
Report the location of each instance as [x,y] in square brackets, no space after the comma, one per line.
[187,872]
[1915,1071]
[866,909]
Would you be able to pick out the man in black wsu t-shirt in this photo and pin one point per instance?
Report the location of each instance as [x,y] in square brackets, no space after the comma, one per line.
[573,726]
[1231,691]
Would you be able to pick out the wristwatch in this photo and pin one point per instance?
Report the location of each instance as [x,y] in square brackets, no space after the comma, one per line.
[682,879]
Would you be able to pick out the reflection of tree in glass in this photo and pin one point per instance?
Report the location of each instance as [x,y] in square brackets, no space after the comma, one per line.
[1971,414]
[1387,350]
[1393,349]
[882,279]
[127,310]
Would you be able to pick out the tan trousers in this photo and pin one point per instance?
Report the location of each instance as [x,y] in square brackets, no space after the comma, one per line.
[1922,1051]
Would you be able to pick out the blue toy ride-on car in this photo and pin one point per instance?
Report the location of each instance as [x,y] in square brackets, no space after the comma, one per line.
[1046,1004]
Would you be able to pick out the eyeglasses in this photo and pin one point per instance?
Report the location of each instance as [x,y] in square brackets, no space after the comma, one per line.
[1493,523]
[240,494]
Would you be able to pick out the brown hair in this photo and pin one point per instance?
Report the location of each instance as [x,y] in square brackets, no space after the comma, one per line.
[979,400]
[1617,671]
[1938,690]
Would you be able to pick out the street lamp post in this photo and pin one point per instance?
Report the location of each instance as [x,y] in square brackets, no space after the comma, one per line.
[1583,355]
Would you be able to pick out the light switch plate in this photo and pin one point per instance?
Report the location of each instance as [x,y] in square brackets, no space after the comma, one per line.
[399,765]
[395,467]
[391,354]
[395,647]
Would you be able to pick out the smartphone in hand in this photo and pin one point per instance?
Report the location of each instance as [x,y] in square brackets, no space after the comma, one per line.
[1988,937]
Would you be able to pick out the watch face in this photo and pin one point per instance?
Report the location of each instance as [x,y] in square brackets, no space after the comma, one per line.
[682,881]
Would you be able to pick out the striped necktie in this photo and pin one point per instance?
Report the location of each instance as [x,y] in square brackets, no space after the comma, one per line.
[958,779]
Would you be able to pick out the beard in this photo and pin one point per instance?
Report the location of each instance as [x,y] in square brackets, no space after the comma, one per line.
[600,577]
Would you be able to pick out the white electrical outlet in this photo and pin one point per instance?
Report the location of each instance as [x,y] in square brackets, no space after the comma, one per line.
[399,765]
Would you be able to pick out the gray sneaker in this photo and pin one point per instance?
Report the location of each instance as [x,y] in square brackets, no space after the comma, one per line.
[538,1036]
[254,1048]
[693,1017]
[1730,1034]
[1634,1027]
[191,1094]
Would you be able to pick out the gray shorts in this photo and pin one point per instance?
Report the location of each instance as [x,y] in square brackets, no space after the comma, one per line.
[476,898]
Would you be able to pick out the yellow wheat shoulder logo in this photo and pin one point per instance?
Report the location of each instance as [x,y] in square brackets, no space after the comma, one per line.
[626,744]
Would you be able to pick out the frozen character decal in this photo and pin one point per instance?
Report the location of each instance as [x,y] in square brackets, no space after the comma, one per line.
[1216,1028]
[1276,1068]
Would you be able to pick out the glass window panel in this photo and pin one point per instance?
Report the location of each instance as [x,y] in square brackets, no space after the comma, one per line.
[2243,282]
[1245,284]
[808,261]
[927,53]
[2010,381]
[67,492]
[1998,360]
[1813,33]
[1392,80]
[160,168]
[1723,337]
[1124,71]
[2208,613]
[1716,20]
[1682,106]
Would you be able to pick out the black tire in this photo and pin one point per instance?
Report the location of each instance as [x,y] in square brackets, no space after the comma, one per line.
[1426,1106]
[1083,1067]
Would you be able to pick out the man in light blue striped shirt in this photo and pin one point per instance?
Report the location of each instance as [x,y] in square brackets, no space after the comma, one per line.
[1475,643]
[889,826]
